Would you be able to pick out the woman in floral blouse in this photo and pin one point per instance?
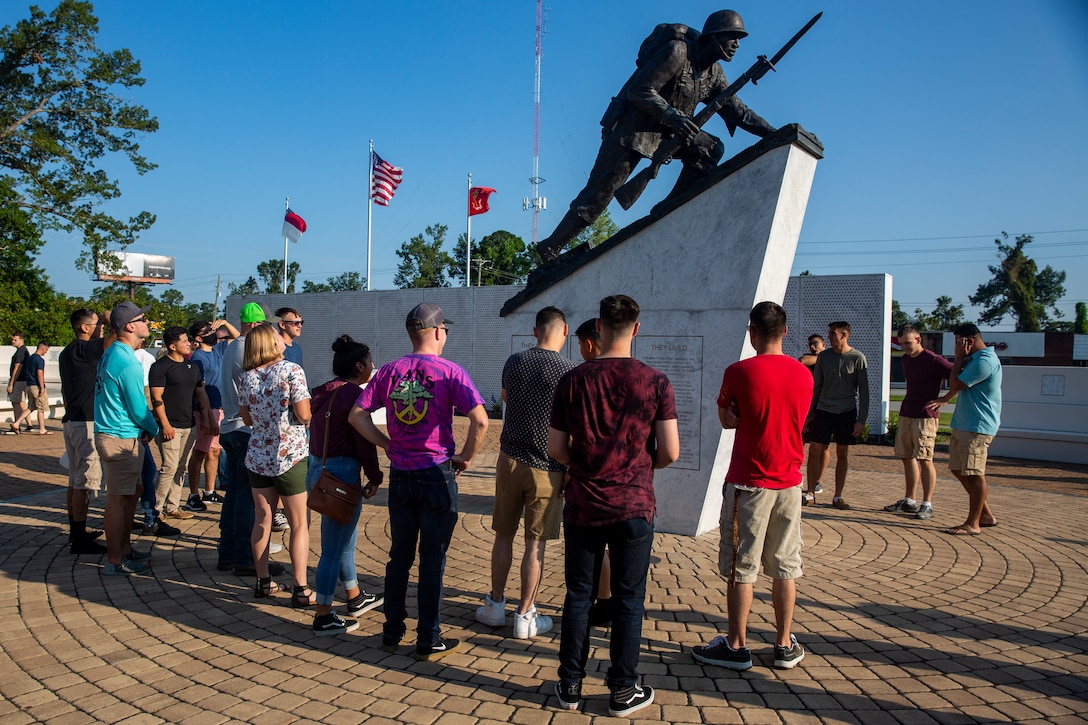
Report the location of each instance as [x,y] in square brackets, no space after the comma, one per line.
[274,401]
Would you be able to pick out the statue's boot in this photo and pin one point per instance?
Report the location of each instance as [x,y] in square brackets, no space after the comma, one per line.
[569,227]
[689,175]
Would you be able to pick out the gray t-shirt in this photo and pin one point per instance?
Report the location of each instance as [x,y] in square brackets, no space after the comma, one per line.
[529,379]
[841,383]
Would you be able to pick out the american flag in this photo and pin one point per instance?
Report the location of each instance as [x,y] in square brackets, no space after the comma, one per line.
[386,180]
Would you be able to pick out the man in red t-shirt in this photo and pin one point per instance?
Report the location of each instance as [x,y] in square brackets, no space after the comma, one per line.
[766,399]
[613,422]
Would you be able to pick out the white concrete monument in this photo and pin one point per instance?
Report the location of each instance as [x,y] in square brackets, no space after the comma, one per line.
[696,267]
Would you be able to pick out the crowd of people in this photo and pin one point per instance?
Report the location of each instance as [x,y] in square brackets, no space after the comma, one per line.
[578,450]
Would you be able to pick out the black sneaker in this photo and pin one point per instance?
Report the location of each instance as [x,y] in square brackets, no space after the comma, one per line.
[332,623]
[909,507]
[364,603]
[786,658]
[194,504]
[719,653]
[212,497]
[569,694]
[390,645]
[630,699]
[161,528]
[439,649]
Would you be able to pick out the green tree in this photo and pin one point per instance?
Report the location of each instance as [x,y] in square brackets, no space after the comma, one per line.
[308,286]
[271,273]
[945,316]
[423,262]
[64,106]
[30,304]
[347,282]
[899,318]
[505,258]
[1019,289]
[601,229]
[248,288]
[1080,324]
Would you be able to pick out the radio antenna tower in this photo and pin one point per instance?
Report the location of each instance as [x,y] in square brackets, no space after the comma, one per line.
[537,203]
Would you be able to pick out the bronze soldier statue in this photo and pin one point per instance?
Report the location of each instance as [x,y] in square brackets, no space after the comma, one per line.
[677,70]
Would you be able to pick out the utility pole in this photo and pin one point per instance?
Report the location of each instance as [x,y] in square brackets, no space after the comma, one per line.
[480,264]
[215,307]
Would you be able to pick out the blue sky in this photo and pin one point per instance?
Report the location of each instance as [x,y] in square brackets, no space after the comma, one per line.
[943,124]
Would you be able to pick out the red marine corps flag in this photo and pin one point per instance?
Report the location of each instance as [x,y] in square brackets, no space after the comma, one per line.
[477,200]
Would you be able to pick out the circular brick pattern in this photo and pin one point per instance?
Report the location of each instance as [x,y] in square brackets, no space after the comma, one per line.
[901,622]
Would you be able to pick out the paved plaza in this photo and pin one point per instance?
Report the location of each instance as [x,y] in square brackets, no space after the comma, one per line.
[902,623]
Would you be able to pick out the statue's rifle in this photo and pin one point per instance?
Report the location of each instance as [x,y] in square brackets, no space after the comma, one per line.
[629,193]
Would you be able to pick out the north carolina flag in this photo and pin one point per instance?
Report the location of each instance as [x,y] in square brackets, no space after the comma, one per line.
[293,226]
[477,200]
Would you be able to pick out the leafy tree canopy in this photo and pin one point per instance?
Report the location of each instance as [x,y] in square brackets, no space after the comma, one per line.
[601,229]
[1019,289]
[423,262]
[63,107]
[343,282]
[499,258]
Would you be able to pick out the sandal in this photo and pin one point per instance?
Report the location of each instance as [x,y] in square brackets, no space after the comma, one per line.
[265,587]
[302,597]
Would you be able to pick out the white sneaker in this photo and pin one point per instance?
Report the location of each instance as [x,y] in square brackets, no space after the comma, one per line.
[275,548]
[531,624]
[491,613]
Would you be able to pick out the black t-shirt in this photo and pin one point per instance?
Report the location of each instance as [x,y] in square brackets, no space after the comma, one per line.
[78,367]
[178,380]
[19,358]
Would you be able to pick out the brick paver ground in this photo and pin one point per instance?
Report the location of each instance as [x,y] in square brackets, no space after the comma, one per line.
[902,623]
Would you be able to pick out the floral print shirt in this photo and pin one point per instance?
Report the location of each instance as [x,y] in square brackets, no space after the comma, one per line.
[278,441]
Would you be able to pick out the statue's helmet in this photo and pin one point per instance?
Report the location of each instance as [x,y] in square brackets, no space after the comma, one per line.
[725,21]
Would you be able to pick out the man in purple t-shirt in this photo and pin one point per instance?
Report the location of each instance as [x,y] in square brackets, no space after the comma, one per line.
[419,393]
[925,372]
[613,422]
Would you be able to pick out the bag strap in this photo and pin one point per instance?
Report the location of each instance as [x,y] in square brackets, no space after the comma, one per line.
[328,417]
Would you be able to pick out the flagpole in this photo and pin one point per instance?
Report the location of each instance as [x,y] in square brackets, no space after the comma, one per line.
[286,208]
[468,237]
[369,209]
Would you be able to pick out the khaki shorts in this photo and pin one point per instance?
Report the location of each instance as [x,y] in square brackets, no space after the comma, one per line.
[916,438]
[967,452]
[206,443]
[84,470]
[35,399]
[122,463]
[18,392]
[521,487]
[769,531]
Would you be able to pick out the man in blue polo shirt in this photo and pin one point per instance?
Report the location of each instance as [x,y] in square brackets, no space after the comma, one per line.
[976,378]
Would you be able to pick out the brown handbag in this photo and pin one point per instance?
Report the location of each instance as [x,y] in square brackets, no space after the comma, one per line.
[330,496]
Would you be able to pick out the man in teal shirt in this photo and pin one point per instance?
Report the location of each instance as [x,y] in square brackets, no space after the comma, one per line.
[122,423]
[976,377]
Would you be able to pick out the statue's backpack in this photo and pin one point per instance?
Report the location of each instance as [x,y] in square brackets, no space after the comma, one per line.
[662,34]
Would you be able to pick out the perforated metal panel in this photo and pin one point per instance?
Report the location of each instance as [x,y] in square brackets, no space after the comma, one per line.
[863,300]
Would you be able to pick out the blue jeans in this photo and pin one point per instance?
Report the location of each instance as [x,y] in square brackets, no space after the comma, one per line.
[148,476]
[236,515]
[337,540]
[423,509]
[629,544]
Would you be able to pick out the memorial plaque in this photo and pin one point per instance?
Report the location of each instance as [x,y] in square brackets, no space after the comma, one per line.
[681,359]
